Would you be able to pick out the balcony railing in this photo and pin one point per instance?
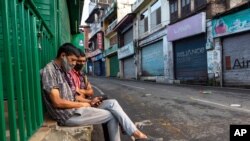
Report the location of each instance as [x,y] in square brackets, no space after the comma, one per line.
[111,27]
[110,10]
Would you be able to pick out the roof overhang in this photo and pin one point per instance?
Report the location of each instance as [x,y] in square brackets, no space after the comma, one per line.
[91,17]
[96,10]
[125,21]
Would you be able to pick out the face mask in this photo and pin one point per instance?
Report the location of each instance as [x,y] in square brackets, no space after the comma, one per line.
[78,67]
[65,64]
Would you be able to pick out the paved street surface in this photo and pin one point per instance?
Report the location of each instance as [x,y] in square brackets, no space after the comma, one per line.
[177,112]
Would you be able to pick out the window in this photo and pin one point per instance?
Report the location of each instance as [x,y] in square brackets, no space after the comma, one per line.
[144,22]
[173,7]
[185,2]
[199,3]
[185,8]
[113,40]
[173,10]
[156,14]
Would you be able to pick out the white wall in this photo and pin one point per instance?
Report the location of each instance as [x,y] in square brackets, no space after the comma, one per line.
[123,8]
[233,3]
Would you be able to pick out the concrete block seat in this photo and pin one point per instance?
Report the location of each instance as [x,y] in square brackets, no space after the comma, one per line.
[54,132]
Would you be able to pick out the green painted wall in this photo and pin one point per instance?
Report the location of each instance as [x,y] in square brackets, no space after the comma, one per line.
[30,34]
[46,9]
[64,23]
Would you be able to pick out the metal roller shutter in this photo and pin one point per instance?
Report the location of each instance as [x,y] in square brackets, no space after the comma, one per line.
[129,68]
[236,60]
[190,59]
[97,67]
[152,59]
[128,36]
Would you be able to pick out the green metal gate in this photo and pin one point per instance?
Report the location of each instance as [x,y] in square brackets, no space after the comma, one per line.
[30,33]
[26,45]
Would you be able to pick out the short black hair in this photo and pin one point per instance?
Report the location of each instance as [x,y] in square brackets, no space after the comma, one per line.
[82,54]
[68,49]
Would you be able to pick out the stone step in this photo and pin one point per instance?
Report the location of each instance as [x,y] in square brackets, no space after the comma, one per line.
[52,132]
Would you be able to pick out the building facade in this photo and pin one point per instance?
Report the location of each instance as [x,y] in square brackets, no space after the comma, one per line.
[126,50]
[113,15]
[176,41]
[94,52]
[150,37]
[187,33]
[230,33]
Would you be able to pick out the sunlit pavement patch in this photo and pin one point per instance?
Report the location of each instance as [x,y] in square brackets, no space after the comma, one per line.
[147,95]
[206,92]
[235,105]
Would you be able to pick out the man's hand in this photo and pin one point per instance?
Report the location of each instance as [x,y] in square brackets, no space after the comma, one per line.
[80,98]
[95,102]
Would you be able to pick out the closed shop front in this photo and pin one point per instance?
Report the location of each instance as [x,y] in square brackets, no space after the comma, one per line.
[97,68]
[189,44]
[152,59]
[114,66]
[236,60]
[129,68]
[99,65]
[125,54]
[190,59]
[95,64]
[232,30]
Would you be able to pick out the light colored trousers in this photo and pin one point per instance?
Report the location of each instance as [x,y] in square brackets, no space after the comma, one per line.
[109,112]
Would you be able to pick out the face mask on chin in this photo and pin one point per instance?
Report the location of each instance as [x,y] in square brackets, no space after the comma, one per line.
[66,66]
[78,67]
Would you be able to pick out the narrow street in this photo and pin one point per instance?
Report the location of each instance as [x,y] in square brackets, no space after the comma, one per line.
[177,112]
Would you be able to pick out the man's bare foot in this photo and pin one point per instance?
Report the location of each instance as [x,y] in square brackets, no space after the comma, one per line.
[139,135]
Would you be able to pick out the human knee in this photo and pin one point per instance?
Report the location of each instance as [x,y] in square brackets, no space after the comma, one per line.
[113,101]
[110,104]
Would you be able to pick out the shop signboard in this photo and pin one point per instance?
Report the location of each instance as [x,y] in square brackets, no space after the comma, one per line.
[188,27]
[126,50]
[232,23]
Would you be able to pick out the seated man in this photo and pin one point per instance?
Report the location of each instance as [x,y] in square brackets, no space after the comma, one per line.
[78,82]
[61,105]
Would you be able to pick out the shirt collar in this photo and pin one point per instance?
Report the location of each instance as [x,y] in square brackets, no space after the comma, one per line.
[56,66]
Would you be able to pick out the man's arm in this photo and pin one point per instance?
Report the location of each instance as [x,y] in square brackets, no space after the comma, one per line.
[86,92]
[58,102]
[81,98]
